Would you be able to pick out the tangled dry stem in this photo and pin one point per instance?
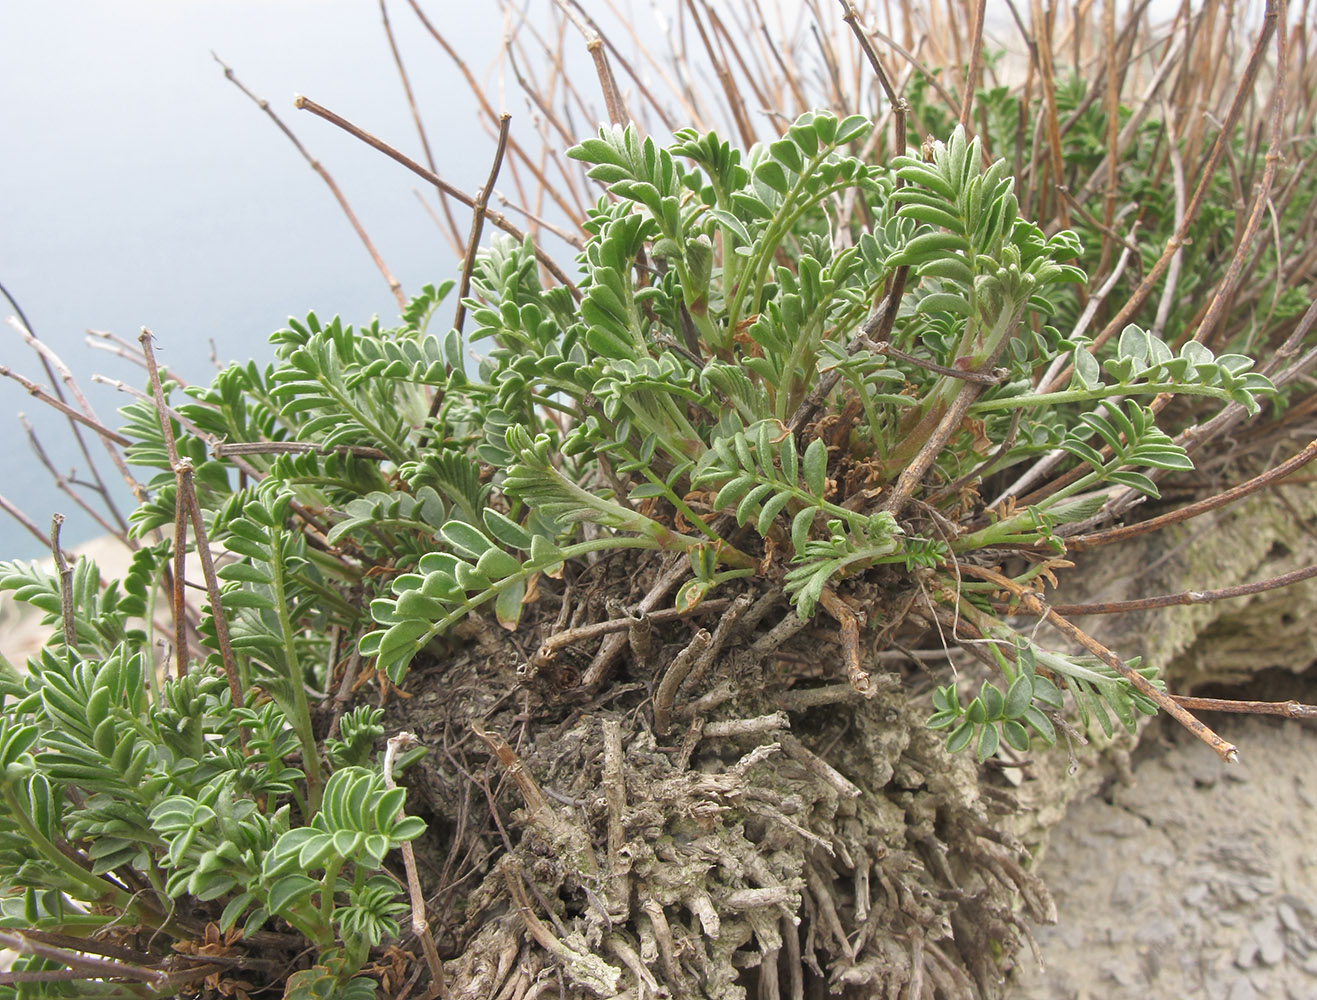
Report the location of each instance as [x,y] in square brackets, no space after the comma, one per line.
[707,825]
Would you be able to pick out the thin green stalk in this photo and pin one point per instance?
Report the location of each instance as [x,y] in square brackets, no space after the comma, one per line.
[682,507]
[397,453]
[101,891]
[783,219]
[1006,533]
[301,715]
[805,346]
[330,879]
[871,415]
[1100,392]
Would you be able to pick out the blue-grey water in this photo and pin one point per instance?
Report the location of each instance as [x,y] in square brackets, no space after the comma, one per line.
[138,187]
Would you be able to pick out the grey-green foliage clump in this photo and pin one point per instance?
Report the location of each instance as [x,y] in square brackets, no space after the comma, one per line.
[135,802]
[666,405]
[759,346]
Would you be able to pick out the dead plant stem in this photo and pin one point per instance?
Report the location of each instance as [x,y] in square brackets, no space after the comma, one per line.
[65,572]
[1189,596]
[1196,202]
[9,508]
[41,394]
[420,926]
[1079,543]
[975,68]
[1035,605]
[497,218]
[477,228]
[1285,709]
[189,498]
[394,285]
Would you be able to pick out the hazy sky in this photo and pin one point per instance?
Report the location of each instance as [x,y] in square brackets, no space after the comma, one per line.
[139,187]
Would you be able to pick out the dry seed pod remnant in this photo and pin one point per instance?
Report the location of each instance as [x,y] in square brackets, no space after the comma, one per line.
[711,570]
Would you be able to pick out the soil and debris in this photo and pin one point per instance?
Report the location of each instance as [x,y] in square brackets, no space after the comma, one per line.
[725,818]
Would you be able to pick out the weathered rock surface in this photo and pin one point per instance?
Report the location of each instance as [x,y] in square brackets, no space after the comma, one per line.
[1190,877]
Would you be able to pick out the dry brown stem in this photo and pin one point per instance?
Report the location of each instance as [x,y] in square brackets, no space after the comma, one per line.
[681,664]
[477,227]
[1079,543]
[1189,596]
[394,285]
[1285,709]
[28,524]
[187,501]
[420,925]
[817,766]
[65,573]
[56,404]
[498,219]
[178,599]
[1196,202]
[1034,605]
[850,641]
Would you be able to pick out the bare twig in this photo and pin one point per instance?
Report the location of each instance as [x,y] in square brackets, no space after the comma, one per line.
[407,87]
[65,484]
[51,362]
[994,377]
[756,726]
[1140,294]
[817,766]
[677,670]
[1225,288]
[420,926]
[614,782]
[344,693]
[1188,596]
[86,965]
[64,408]
[594,44]
[497,218]
[394,285]
[477,227]
[1091,541]
[227,449]
[583,633]
[1285,709]
[802,699]
[178,599]
[13,511]
[1035,605]
[65,572]
[674,572]
[472,247]
[850,641]
[972,72]
[900,107]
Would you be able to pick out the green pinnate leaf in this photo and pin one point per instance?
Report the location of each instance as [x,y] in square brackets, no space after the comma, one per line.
[816,467]
[960,737]
[1019,696]
[1014,735]
[987,744]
